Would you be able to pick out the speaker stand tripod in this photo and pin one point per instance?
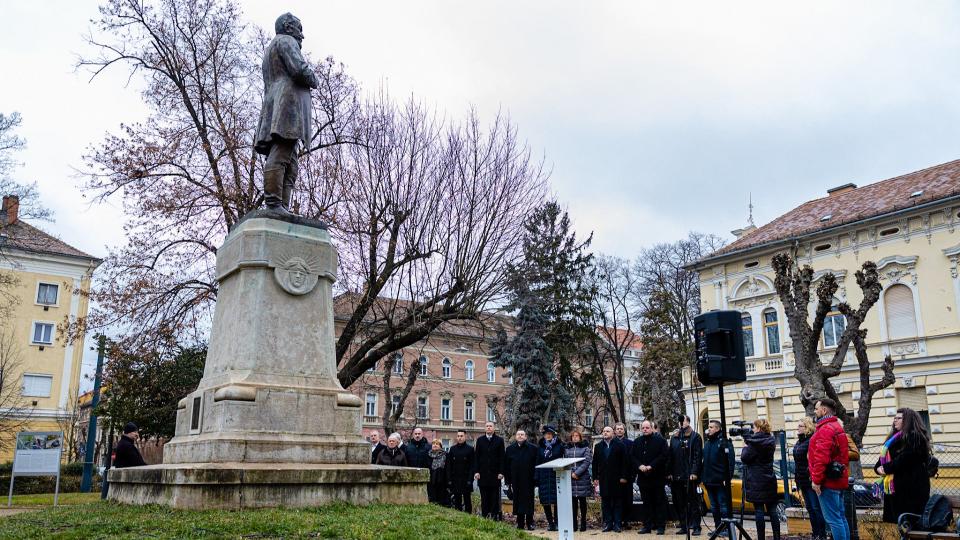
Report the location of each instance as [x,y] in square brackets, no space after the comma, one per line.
[728,525]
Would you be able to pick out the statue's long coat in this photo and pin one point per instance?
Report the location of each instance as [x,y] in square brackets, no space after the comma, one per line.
[287,80]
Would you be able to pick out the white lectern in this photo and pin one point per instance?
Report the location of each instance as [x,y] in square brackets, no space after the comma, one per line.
[562,468]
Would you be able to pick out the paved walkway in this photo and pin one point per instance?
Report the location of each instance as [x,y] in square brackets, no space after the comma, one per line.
[595,534]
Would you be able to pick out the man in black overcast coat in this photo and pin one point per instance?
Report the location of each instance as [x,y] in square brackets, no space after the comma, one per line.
[650,458]
[126,451]
[418,450]
[461,466]
[626,496]
[684,472]
[611,468]
[519,462]
[489,448]
[375,446]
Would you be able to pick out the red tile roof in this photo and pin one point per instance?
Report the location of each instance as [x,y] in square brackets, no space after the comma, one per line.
[21,235]
[884,197]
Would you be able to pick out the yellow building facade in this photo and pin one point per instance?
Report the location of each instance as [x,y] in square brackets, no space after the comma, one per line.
[50,286]
[910,227]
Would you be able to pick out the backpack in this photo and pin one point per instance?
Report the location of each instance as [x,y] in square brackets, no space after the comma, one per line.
[937,515]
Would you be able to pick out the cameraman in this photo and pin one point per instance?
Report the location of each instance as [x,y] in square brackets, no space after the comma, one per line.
[759,480]
[717,467]
[683,471]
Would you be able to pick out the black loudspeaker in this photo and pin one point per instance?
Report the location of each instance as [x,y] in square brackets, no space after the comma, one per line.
[719,336]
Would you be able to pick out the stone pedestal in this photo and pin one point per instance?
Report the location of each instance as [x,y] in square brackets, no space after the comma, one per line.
[269,423]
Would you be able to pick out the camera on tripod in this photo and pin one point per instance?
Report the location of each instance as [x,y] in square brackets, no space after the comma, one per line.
[743,429]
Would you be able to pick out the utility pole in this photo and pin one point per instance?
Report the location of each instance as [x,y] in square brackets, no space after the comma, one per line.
[87,480]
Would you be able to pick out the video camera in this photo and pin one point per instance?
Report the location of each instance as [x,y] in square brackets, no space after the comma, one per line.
[742,429]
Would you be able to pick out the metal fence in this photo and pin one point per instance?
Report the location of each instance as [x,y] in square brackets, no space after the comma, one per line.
[866,495]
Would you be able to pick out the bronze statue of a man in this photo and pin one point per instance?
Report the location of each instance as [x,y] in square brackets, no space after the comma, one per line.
[285,116]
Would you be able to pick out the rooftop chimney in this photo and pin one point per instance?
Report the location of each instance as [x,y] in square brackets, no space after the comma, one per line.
[840,190]
[10,209]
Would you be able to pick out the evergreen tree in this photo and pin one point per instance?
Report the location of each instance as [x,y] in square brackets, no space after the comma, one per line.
[549,291]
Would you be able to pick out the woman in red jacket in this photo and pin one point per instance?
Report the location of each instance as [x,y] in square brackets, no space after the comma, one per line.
[829,459]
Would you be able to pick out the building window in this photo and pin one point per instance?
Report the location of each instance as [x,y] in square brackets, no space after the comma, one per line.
[446,368]
[833,326]
[37,385]
[771,330]
[747,334]
[468,410]
[491,413]
[606,418]
[491,372]
[510,374]
[423,366]
[423,409]
[901,317]
[47,294]
[588,418]
[370,409]
[398,364]
[775,413]
[468,370]
[445,409]
[394,404]
[748,410]
[43,333]
[445,443]
[373,368]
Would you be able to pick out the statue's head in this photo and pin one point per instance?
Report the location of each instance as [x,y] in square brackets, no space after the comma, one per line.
[289,25]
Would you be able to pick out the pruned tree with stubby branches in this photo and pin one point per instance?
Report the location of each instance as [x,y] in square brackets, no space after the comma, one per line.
[793,285]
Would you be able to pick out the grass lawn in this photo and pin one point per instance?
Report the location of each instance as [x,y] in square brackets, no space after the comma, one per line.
[46,499]
[111,520]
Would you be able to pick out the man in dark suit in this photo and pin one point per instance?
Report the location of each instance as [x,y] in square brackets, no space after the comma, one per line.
[683,473]
[519,462]
[126,451]
[375,446]
[611,466]
[650,456]
[489,450]
[461,466]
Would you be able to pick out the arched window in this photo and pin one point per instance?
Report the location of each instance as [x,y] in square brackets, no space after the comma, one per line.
[771,329]
[423,366]
[833,326]
[446,368]
[398,364]
[468,370]
[747,334]
[901,317]
[491,372]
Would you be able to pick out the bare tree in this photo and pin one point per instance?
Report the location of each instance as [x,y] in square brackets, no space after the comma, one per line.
[668,293]
[615,312]
[67,420]
[14,411]
[793,287]
[424,213]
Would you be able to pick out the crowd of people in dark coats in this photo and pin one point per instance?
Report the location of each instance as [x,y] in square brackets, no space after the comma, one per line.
[684,462]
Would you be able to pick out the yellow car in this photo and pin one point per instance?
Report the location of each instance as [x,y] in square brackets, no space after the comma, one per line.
[736,489]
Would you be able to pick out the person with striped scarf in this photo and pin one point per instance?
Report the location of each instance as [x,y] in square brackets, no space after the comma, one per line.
[902,466]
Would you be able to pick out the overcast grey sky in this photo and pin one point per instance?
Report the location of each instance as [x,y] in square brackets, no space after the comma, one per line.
[655,117]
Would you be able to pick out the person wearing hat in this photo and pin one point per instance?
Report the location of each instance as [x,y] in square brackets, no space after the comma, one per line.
[126,452]
[550,448]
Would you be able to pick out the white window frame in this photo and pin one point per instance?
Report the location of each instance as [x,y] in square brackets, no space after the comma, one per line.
[766,336]
[588,417]
[423,366]
[446,409]
[491,413]
[469,406]
[36,296]
[468,370]
[367,404]
[394,404]
[447,368]
[491,373]
[396,366]
[828,320]
[23,384]
[53,333]
[426,407]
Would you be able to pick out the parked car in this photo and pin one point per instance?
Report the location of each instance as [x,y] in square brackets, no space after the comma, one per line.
[736,489]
